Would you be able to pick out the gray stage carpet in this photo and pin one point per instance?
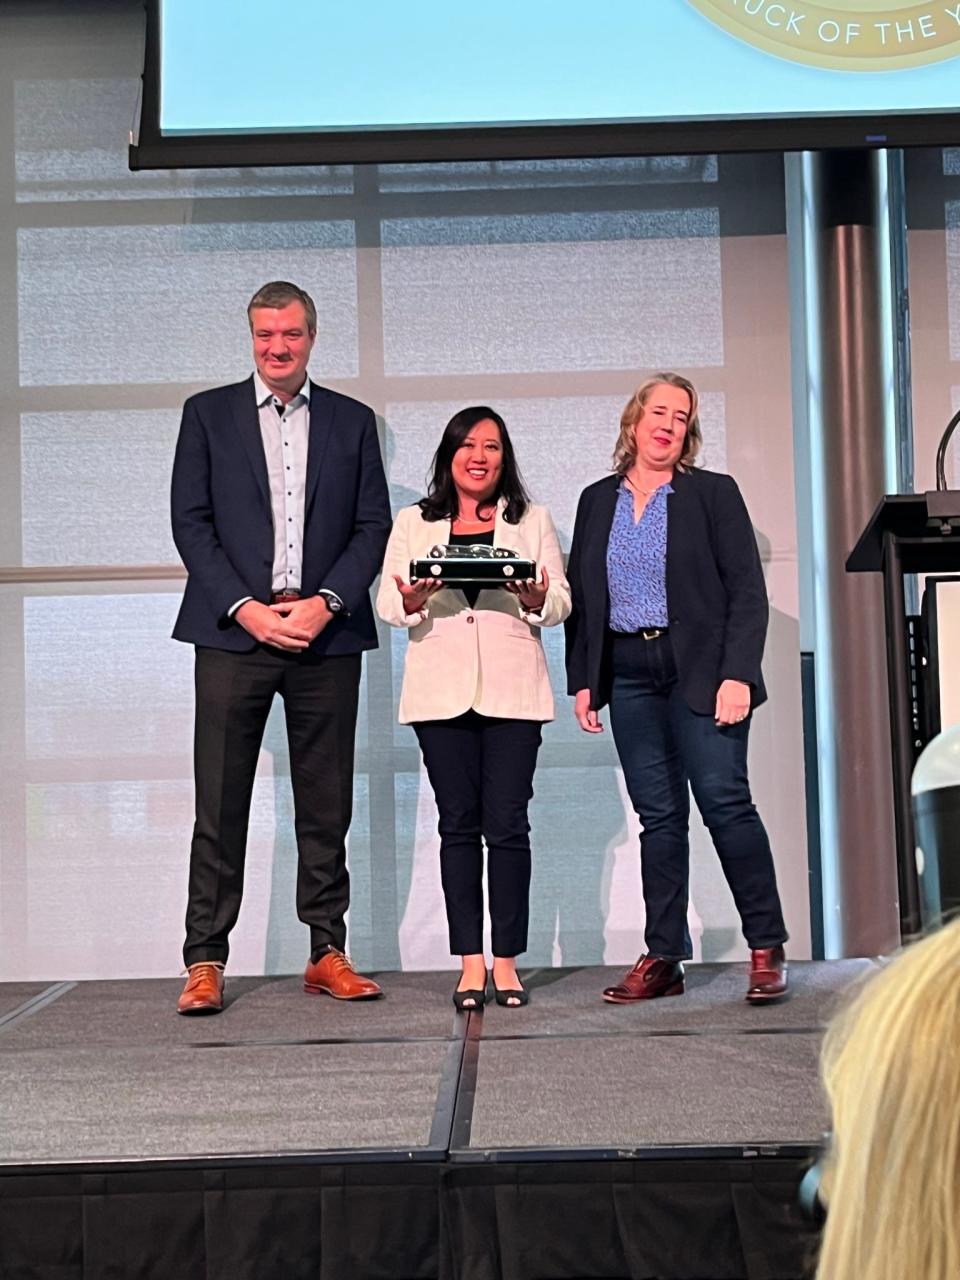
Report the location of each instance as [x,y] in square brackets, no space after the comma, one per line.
[109,1072]
[618,1092]
[136,1013]
[15,994]
[87,1105]
[704,1069]
[99,1072]
[567,1002]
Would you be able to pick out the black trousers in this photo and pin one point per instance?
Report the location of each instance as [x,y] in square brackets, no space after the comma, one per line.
[481,770]
[234,692]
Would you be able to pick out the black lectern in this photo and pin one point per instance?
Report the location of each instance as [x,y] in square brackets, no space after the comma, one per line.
[908,533]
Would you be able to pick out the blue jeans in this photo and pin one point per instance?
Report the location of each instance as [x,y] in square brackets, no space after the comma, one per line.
[665,750]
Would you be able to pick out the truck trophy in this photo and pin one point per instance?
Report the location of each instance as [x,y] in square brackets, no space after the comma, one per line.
[479,564]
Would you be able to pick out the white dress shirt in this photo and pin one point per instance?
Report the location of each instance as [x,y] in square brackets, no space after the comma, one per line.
[285,431]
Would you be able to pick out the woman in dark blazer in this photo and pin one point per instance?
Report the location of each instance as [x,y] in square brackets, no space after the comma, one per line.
[668,626]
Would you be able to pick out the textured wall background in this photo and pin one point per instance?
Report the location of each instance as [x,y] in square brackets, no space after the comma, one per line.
[547,289]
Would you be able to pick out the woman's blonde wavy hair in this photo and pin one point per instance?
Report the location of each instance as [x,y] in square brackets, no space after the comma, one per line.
[625,450]
[891,1069]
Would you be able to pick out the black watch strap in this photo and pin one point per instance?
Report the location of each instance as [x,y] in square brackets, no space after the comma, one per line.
[334,603]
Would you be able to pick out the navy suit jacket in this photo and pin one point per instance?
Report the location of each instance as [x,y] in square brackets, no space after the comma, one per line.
[716,595]
[223,525]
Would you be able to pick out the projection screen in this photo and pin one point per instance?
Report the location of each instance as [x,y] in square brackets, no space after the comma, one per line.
[317,82]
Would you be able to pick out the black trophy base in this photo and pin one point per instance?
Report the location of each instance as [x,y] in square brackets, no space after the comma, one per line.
[458,570]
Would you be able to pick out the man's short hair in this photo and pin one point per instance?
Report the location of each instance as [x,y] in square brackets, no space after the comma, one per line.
[280,293]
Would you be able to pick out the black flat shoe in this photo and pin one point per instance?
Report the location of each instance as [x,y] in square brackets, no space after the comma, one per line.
[479,999]
[506,997]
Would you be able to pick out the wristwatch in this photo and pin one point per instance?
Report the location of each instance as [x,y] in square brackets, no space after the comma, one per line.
[334,603]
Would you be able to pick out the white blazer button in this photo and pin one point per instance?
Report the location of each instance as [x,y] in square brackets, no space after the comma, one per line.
[470,617]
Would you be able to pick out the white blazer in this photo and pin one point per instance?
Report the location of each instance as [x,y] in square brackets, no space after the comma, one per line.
[489,658]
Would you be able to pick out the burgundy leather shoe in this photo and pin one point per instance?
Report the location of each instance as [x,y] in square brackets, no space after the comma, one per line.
[768,975]
[203,992]
[649,978]
[334,975]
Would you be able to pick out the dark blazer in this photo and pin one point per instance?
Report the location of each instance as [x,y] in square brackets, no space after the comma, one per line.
[716,595]
[223,525]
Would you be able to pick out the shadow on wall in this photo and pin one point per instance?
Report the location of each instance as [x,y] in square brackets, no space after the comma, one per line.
[578,821]
[777,782]
[397,860]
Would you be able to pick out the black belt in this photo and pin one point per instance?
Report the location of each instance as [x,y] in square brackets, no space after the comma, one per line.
[646,633]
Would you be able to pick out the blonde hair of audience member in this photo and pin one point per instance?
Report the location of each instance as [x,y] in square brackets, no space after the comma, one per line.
[891,1069]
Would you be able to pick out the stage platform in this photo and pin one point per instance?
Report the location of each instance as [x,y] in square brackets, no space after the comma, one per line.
[295,1136]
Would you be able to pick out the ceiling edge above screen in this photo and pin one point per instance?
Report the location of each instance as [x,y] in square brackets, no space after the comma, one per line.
[400,144]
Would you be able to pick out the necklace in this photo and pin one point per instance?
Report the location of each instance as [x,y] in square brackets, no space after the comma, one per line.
[474,524]
[646,492]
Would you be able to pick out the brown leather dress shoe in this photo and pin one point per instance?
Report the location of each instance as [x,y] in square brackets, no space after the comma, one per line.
[649,978]
[203,992]
[768,975]
[334,975]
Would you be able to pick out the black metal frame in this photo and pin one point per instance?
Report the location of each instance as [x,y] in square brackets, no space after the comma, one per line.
[905,536]
[749,1153]
[405,144]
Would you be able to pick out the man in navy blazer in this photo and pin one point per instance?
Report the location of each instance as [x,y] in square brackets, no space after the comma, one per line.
[281,515]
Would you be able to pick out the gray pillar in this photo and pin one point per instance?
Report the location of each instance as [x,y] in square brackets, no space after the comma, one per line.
[847,237]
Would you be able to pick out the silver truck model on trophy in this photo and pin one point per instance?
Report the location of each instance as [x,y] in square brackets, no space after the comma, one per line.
[488,566]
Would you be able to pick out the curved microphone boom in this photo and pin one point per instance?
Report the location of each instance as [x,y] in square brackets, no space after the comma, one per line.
[942,452]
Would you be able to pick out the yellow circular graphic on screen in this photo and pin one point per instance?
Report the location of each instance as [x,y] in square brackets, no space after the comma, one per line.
[847,35]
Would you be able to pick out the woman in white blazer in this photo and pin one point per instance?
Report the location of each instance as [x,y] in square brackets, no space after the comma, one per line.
[476,688]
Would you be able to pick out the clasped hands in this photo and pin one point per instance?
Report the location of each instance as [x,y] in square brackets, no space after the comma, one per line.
[290,626]
[415,594]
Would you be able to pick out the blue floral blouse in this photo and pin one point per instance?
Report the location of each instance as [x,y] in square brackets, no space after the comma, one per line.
[637,562]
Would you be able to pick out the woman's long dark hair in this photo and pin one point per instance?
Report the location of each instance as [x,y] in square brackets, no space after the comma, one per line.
[441,501]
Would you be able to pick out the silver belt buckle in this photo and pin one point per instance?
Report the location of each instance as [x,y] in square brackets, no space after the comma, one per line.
[652,633]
